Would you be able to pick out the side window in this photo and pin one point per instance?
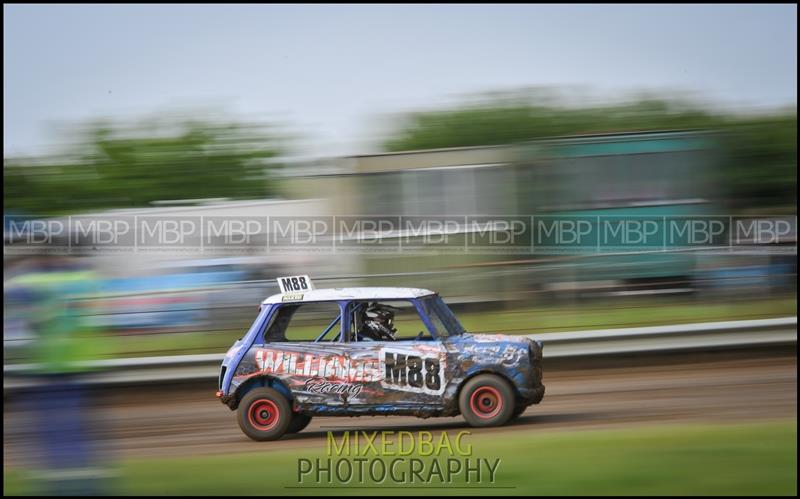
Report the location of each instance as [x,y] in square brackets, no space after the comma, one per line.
[305,322]
[395,320]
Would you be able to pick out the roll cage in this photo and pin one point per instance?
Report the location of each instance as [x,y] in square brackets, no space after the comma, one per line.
[434,313]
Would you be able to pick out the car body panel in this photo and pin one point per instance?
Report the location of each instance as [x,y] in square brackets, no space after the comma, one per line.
[419,377]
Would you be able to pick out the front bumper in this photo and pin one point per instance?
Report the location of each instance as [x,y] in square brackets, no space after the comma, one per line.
[536,392]
[534,395]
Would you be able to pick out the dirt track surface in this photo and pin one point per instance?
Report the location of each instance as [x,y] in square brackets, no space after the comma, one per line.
[190,421]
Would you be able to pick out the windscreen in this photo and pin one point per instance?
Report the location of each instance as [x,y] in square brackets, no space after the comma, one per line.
[442,318]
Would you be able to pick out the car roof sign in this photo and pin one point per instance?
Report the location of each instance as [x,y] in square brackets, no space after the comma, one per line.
[339,294]
[295,284]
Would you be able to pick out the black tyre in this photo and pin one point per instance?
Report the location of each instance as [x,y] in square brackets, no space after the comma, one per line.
[299,421]
[487,400]
[264,414]
[517,412]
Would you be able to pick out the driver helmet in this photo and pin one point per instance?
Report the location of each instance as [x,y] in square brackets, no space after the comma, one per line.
[379,321]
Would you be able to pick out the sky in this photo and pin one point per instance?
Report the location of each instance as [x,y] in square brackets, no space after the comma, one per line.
[334,73]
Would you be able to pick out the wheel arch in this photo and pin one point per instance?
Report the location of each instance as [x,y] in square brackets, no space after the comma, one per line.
[260,382]
[488,370]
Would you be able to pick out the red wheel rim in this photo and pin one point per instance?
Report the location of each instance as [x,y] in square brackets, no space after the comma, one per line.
[263,414]
[486,402]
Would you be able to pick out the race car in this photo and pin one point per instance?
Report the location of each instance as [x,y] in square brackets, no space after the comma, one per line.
[370,360]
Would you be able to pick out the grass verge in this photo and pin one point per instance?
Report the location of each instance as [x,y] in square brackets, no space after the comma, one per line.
[740,459]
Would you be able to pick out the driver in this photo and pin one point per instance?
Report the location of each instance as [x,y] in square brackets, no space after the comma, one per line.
[377,323]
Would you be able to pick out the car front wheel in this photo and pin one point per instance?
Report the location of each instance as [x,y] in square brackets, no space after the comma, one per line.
[264,414]
[487,400]
[517,412]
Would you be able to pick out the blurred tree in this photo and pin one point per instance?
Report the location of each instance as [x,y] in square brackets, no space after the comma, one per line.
[761,162]
[508,120]
[123,166]
[760,151]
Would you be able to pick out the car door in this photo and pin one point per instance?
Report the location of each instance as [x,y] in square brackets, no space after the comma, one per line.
[409,372]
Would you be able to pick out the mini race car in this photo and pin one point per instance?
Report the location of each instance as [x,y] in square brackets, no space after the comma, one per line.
[370,360]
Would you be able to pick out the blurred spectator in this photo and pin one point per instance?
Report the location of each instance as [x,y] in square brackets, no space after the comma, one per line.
[46,299]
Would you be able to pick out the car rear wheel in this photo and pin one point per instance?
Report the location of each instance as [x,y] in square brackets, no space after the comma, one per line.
[487,400]
[264,414]
[299,421]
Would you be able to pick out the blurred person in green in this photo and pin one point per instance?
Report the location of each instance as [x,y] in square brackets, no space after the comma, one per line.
[47,296]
